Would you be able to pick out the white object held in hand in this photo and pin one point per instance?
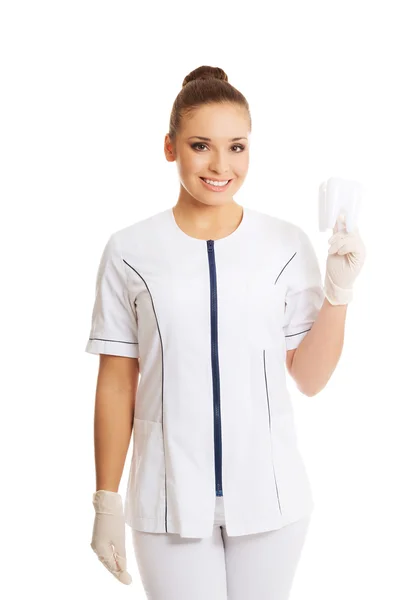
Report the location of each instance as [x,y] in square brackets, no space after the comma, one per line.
[339,200]
[339,204]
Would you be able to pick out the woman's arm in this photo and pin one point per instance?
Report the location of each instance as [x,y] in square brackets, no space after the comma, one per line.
[317,355]
[113,419]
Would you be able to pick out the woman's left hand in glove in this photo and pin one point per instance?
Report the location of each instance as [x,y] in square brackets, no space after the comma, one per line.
[346,257]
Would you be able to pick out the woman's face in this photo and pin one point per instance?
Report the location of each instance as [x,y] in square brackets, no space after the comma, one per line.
[217,158]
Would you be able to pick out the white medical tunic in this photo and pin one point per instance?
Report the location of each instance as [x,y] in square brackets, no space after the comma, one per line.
[211,321]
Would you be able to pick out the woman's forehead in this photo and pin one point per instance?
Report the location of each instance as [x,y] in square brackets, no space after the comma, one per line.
[216,122]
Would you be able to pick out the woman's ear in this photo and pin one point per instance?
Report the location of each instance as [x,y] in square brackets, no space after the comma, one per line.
[168,149]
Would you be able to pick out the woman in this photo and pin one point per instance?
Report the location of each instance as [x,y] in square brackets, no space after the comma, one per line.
[209,301]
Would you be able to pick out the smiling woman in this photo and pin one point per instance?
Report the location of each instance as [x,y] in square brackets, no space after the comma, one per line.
[217,164]
[200,293]
[213,112]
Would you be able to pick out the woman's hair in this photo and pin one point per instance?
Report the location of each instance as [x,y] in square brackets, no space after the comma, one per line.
[205,85]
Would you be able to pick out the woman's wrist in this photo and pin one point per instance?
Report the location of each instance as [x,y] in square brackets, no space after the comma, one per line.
[335,294]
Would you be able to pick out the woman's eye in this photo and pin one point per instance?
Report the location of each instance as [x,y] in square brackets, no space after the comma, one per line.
[197,144]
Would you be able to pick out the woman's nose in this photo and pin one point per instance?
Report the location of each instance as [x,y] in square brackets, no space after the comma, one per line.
[220,164]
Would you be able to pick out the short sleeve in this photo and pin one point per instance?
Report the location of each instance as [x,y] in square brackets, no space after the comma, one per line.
[114,319]
[305,294]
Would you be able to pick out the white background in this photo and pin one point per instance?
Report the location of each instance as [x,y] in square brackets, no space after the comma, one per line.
[86,93]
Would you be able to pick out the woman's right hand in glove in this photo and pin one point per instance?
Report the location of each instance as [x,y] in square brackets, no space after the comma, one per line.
[108,539]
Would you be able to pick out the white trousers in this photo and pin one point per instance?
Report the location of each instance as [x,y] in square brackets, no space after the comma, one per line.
[258,566]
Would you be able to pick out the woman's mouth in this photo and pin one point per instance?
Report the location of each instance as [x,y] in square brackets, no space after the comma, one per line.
[216,186]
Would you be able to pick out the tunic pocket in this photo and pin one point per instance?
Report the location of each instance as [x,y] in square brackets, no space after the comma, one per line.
[148,468]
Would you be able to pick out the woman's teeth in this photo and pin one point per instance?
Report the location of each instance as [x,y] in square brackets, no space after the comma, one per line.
[216,183]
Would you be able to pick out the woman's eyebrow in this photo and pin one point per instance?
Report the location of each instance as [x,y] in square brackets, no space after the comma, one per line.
[205,139]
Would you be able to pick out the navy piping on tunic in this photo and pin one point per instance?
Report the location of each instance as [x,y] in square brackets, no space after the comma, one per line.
[292,334]
[215,369]
[269,417]
[162,390]
[300,332]
[285,267]
[116,341]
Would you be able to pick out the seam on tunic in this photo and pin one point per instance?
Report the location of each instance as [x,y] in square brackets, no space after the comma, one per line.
[116,341]
[292,334]
[162,387]
[285,267]
[270,433]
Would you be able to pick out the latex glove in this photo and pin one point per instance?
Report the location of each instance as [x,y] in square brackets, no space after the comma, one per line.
[108,540]
[346,257]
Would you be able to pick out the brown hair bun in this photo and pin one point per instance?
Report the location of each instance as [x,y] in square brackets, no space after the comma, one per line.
[205,72]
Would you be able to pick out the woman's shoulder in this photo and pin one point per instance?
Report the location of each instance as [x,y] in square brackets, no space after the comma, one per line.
[272,225]
[142,231]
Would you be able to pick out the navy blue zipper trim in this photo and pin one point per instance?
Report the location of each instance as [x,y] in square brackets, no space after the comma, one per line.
[215,369]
